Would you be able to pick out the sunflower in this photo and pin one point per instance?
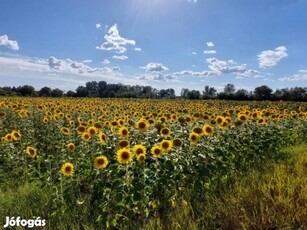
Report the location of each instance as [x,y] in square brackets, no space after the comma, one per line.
[151,122]
[194,137]
[98,125]
[224,125]
[80,119]
[261,121]
[166,132]
[124,156]
[181,120]
[208,130]
[8,137]
[102,138]
[242,117]
[90,122]
[114,124]
[123,144]
[65,131]
[101,162]
[219,120]
[177,142]
[86,136]
[198,130]
[156,151]
[67,169]
[188,119]
[142,125]
[71,147]
[92,131]
[123,131]
[31,151]
[81,129]
[45,120]
[141,157]
[139,149]
[71,123]
[166,145]
[15,135]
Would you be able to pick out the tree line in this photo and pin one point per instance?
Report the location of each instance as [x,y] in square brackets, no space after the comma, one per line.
[103,89]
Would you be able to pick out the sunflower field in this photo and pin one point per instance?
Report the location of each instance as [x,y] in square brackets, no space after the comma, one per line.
[115,162]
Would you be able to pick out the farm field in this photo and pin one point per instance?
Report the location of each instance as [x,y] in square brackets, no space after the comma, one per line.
[119,163]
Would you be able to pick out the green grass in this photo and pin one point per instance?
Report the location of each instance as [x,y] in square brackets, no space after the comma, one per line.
[275,198]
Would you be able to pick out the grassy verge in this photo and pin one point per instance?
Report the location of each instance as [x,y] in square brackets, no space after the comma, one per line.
[275,198]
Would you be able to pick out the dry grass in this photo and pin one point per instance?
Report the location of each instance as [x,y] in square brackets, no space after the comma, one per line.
[275,198]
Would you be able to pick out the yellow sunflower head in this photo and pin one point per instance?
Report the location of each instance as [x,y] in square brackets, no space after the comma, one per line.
[123,132]
[31,151]
[194,137]
[156,151]
[81,129]
[65,131]
[141,157]
[8,137]
[71,147]
[166,145]
[139,149]
[242,117]
[67,169]
[142,125]
[165,132]
[124,156]
[123,144]
[208,130]
[101,162]
[86,136]
[198,130]
[102,138]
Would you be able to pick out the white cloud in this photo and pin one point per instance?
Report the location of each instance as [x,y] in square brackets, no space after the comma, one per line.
[229,67]
[87,61]
[121,57]
[301,76]
[106,61]
[64,74]
[210,44]
[98,25]
[270,58]
[70,66]
[114,42]
[4,41]
[209,52]
[194,1]
[154,67]
[191,73]
[194,53]
[138,49]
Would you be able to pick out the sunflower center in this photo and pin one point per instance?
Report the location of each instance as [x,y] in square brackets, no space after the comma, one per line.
[125,155]
[100,161]
[124,132]
[139,151]
[165,145]
[157,151]
[68,169]
[142,125]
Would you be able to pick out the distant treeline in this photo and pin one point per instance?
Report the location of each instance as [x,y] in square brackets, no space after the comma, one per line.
[103,89]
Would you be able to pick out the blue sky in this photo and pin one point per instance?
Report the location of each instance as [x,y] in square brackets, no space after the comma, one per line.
[163,43]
